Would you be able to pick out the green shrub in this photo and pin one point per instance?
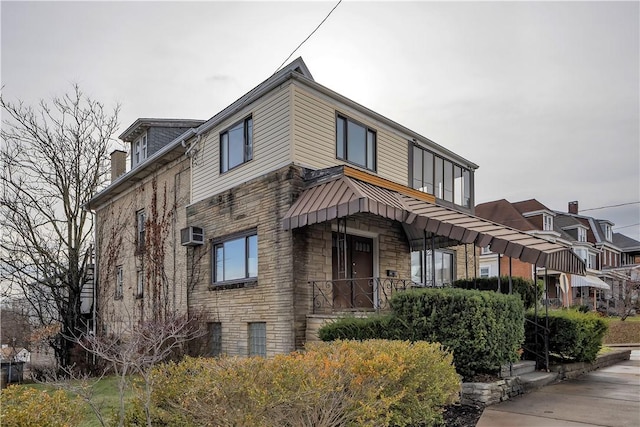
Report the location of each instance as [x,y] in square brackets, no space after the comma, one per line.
[521,286]
[483,329]
[27,407]
[347,383]
[385,327]
[572,335]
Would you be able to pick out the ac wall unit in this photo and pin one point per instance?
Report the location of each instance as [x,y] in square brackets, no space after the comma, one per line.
[192,236]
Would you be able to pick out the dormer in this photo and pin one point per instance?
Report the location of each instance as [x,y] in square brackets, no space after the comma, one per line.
[148,136]
[543,219]
[606,229]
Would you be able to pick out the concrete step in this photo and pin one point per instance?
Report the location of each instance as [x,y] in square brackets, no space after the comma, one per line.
[535,380]
[516,369]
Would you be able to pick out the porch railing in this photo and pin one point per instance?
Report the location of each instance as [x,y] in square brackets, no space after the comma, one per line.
[359,294]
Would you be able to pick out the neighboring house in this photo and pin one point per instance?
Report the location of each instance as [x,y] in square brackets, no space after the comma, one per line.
[591,239]
[11,354]
[289,206]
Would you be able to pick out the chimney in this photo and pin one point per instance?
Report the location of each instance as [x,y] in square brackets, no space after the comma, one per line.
[118,163]
[573,207]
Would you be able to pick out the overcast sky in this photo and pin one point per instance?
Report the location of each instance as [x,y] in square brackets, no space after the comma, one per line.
[544,97]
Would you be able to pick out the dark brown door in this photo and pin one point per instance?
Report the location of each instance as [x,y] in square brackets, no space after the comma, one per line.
[356,289]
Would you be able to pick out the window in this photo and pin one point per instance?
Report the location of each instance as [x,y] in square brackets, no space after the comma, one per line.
[140,149]
[258,339]
[485,250]
[607,232]
[215,338]
[485,271]
[355,143]
[140,227]
[236,259]
[119,282]
[547,222]
[236,145]
[140,284]
[443,262]
[582,234]
[591,263]
[434,175]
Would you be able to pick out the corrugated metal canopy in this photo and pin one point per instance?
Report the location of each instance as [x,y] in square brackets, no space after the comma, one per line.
[344,195]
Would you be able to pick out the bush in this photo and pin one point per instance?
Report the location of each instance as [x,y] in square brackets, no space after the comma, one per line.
[346,383]
[27,407]
[521,286]
[483,329]
[572,335]
[385,327]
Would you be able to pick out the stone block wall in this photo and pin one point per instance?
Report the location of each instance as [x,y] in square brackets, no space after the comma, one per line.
[258,204]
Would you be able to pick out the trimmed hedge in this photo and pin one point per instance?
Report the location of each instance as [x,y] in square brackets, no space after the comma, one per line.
[346,383]
[521,286]
[573,335]
[483,329]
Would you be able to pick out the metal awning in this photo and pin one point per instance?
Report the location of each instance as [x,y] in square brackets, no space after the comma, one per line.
[349,193]
[589,280]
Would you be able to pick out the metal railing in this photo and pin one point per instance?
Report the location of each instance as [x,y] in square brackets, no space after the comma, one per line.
[541,339]
[359,294]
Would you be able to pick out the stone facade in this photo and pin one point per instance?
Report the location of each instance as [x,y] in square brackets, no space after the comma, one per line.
[259,205]
[163,196]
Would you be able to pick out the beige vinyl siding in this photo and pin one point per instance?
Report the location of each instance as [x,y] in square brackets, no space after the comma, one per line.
[271,136]
[315,142]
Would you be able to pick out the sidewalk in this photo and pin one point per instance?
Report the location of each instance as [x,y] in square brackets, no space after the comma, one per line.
[606,397]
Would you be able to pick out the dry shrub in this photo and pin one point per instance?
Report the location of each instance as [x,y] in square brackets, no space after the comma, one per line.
[342,383]
[622,332]
[28,407]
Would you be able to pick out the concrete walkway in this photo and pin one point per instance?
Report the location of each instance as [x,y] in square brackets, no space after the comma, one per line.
[606,397]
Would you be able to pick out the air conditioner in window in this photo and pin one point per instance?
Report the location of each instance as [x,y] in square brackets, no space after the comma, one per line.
[192,236]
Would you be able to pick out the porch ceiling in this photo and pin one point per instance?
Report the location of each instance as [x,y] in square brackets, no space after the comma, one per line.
[349,193]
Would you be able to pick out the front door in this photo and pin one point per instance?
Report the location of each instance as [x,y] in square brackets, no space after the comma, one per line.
[353,286]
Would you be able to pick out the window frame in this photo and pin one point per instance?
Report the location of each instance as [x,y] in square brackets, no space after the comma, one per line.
[214,330]
[257,344]
[118,294]
[248,278]
[140,149]
[141,229]
[140,284]
[344,156]
[247,144]
[441,169]
[488,269]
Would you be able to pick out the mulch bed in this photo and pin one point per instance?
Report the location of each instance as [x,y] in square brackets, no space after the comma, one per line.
[461,415]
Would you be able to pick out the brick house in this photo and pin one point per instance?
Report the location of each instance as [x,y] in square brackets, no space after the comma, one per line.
[288,207]
[591,239]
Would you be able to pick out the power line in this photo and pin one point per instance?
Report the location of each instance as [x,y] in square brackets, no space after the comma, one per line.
[610,206]
[626,226]
[309,36]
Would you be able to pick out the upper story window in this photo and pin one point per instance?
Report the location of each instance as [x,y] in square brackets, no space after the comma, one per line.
[547,222]
[235,259]
[485,250]
[119,282]
[434,175]
[582,234]
[355,143]
[140,149]
[607,231]
[140,229]
[140,284]
[236,145]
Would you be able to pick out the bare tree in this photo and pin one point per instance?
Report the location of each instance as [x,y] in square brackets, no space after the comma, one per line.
[628,300]
[138,347]
[54,159]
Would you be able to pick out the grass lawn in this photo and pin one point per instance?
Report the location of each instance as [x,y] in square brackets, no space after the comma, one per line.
[105,396]
[622,332]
